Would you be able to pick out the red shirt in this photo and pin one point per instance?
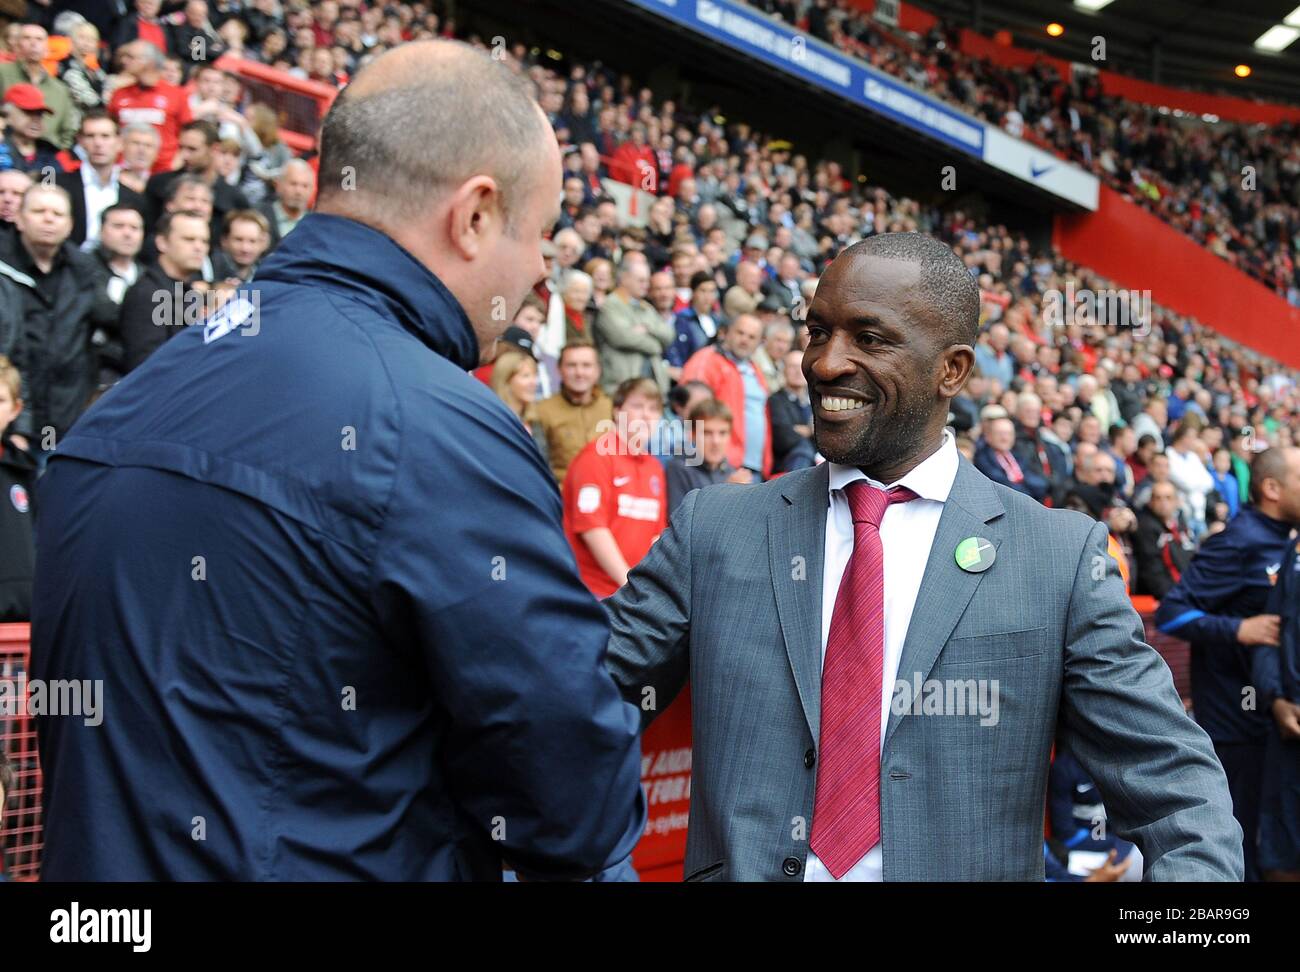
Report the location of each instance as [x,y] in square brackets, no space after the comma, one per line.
[163,106]
[625,493]
[151,31]
[634,166]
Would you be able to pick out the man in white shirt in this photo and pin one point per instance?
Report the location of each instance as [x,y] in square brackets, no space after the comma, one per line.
[96,184]
[120,241]
[1190,473]
[882,649]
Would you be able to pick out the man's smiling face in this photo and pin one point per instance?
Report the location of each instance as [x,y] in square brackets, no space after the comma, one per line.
[874,362]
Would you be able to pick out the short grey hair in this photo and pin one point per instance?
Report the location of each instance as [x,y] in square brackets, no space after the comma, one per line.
[578,277]
[408,143]
[631,263]
[142,128]
[68,21]
[152,54]
[781,324]
[1028,398]
[568,233]
[295,164]
[944,284]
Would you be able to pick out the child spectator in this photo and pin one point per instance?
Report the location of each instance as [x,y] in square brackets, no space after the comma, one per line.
[1225,483]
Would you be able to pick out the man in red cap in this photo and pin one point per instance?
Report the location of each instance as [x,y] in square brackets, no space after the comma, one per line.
[62,116]
[23,147]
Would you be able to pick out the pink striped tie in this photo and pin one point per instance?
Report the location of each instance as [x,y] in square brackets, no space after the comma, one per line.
[846,810]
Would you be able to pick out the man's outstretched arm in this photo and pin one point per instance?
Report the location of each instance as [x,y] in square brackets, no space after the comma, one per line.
[650,617]
[540,750]
[1163,787]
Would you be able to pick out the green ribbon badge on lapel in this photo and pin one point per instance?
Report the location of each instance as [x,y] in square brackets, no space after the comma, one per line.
[975,554]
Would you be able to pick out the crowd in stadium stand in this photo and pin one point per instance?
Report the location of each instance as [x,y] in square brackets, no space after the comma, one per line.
[1190,173]
[169,180]
[182,187]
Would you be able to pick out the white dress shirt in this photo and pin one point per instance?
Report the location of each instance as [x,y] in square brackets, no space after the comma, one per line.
[120,282]
[906,534]
[98,197]
[1192,479]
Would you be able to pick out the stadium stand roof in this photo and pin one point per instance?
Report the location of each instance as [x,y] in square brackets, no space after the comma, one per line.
[1185,43]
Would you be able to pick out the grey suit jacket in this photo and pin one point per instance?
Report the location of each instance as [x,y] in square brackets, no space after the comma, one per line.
[730,597]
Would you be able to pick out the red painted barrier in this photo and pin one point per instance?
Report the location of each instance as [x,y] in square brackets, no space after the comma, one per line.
[666,779]
[1007,56]
[1138,250]
[1225,106]
[300,104]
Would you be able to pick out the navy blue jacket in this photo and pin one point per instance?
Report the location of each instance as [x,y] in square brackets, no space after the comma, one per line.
[690,337]
[321,571]
[1075,810]
[1227,580]
[1033,484]
[1276,671]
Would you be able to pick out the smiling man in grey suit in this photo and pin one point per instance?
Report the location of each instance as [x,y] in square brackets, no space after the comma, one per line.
[879,648]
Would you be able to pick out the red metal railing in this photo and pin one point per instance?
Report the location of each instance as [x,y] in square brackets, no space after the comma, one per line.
[301,105]
[20,826]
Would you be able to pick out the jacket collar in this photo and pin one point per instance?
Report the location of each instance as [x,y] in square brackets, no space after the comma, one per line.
[931,479]
[341,255]
[17,264]
[1280,527]
[597,393]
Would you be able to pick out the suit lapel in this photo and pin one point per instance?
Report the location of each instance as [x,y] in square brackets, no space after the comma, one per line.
[946,589]
[796,543]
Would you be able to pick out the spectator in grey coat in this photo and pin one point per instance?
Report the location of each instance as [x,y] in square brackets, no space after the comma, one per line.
[631,336]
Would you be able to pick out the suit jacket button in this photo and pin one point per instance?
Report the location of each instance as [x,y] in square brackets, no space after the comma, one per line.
[791,866]
[809,758]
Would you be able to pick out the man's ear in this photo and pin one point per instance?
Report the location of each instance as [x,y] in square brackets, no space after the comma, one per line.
[473,215]
[957,362]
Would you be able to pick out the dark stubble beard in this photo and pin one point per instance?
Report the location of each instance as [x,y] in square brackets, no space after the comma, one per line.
[887,440]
